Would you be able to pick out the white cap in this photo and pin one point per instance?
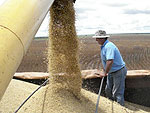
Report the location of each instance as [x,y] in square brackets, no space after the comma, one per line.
[100,34]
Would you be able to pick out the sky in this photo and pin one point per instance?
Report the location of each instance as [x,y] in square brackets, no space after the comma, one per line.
[113,16]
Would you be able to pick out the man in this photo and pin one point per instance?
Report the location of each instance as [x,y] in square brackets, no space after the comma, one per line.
[113,66]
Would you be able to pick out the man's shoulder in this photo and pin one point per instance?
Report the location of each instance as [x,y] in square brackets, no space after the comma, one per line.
[110,44]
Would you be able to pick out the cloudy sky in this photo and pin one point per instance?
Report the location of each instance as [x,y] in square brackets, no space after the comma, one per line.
[114,16]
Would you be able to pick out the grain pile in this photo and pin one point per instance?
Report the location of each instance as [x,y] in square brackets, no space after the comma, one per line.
[63,101]
[18,91]
[15,94]
[64,94]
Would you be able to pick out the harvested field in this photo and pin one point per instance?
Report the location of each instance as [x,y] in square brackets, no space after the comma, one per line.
[35,59]
[135,49]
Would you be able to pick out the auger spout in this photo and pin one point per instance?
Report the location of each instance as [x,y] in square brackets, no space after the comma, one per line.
[19,22]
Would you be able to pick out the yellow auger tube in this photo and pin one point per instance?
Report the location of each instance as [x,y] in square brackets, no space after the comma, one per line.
[19,22]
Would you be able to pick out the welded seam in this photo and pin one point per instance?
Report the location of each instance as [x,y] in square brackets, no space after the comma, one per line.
[16,36]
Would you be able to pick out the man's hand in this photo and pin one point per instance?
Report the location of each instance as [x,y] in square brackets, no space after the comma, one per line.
[101,74]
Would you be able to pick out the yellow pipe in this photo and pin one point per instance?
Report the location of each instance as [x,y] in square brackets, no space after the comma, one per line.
[19,22]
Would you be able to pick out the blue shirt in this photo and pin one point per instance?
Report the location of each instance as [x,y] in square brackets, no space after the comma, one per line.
[110,51]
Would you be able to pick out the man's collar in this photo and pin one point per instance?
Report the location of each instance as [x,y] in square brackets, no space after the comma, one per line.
[105,43]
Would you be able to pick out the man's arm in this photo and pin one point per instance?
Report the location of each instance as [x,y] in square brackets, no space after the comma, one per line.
[108,66]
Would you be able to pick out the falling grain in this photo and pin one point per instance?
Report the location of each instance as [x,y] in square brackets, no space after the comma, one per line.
[63,47]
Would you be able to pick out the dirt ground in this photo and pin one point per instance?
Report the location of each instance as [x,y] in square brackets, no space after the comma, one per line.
[134,48]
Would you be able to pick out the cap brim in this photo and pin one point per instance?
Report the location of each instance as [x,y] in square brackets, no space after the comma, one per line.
[107,36]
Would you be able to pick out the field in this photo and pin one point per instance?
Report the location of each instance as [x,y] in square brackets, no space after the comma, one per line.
[135,49]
